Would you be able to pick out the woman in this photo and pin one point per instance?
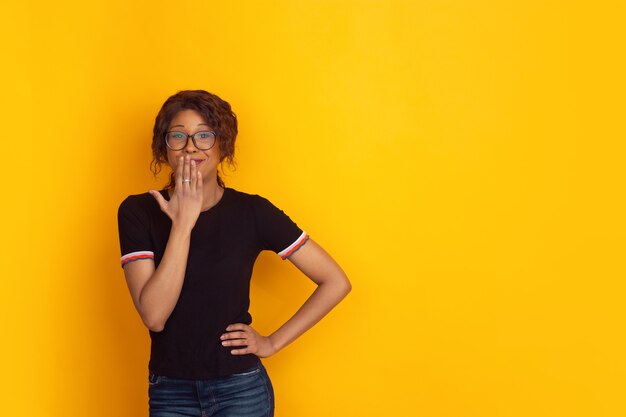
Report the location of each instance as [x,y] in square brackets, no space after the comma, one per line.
[188,251]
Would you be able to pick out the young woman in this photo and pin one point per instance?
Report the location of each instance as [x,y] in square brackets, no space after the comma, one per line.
[188,251]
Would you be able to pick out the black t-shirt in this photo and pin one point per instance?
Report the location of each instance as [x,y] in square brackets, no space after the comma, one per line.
[225,242]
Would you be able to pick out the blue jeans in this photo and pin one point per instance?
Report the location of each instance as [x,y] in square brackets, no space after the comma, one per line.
[246,394]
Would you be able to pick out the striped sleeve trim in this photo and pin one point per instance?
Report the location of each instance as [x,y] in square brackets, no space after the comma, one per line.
[135,256]
[285,253]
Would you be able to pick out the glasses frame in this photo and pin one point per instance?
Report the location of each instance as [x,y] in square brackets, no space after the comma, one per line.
[193,139]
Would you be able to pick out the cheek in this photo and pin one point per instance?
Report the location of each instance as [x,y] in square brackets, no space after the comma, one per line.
[171,160]
[215,151]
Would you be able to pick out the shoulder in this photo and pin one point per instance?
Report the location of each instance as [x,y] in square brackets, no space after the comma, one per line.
[248,199]
[256,205]
[137,203]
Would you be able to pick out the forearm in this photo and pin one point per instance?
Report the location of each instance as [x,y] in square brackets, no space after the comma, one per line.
[161,292]
[325,297]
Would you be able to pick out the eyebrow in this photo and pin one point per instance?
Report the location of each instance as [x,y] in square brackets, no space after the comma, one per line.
[199,124]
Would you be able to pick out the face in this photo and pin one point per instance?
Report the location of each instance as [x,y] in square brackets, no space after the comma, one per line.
[190,122]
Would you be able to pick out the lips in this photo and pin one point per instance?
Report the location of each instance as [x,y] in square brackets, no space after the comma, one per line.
[198,161]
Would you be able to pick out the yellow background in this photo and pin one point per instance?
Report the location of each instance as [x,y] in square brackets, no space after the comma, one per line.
[461,160]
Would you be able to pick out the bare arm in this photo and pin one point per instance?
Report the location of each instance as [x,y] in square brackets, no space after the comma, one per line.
[155,292]
[333,286]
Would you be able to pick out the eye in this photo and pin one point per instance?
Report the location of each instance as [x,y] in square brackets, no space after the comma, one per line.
[204,135]
[177,135]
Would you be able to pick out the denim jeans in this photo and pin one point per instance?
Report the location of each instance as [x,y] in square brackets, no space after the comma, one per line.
[246,394]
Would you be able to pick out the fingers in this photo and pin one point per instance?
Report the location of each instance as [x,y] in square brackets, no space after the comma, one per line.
[239,334]
[249,343]
[233,335]
[186,172]
[179,174]
[234,338]
[236,342]
[193,176]
[199,181]
[237,326]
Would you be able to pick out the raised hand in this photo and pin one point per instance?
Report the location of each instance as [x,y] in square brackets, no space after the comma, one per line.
[184,206]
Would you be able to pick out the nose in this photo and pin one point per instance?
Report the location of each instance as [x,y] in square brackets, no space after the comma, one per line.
[190,147]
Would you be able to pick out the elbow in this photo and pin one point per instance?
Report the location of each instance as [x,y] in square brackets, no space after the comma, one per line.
[343,285]
[338,284]
[153,324]
[347,286]
[149,318]
[156,328]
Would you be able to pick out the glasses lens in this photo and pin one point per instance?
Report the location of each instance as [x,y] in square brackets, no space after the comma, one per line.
[204,140]
[176,140]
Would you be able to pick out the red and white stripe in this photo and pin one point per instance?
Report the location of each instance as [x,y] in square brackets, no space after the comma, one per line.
[135,256]
[285,253]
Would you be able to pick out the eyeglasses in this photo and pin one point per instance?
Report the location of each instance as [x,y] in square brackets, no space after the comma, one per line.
[178,140]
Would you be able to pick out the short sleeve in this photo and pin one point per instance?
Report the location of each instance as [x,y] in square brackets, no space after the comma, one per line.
[134,232]
[276,231]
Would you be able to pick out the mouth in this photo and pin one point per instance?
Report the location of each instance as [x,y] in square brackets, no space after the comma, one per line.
[198,161]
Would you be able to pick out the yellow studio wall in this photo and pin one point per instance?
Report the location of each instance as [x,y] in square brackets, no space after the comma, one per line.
[461,160]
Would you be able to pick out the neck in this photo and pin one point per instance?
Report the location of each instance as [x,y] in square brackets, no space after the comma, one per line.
[211,194]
